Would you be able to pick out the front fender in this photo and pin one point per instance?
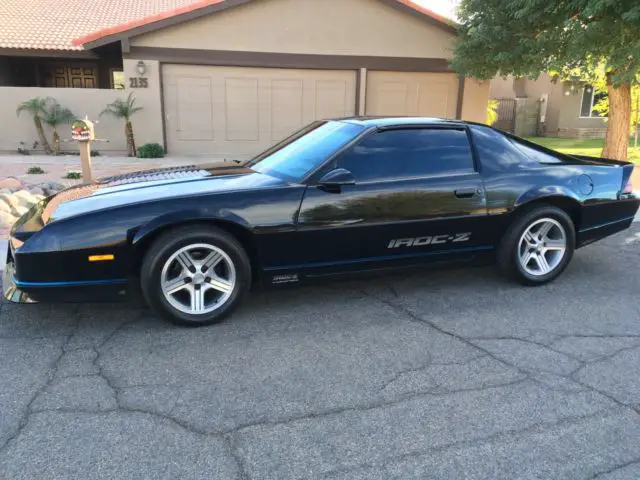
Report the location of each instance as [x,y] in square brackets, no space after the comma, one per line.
[183,216]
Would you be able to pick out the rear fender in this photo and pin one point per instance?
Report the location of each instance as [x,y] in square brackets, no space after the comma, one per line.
[540,193]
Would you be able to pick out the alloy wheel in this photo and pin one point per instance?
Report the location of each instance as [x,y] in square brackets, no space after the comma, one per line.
[198,279]
[542,247]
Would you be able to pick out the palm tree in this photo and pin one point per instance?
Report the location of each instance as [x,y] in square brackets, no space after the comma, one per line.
[54,115]
[125,109]
[36,107]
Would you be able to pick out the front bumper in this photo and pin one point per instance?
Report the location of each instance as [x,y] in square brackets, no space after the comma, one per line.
[74,292]
[10,290]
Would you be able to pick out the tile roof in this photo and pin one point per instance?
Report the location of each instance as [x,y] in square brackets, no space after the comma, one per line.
[68,24]
[53,24]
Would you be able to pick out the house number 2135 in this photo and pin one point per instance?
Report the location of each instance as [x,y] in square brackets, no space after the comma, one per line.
[138,82]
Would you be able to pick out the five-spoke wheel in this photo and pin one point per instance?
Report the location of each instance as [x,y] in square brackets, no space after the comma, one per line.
[538,245]
[195,275]
[542,246]
[198,278]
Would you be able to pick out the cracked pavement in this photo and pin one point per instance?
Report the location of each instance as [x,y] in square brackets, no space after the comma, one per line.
[445,374]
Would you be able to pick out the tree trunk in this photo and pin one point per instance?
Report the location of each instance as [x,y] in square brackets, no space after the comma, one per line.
[41,135]
[616,142]
[56,142]
[637,122]
[131,141]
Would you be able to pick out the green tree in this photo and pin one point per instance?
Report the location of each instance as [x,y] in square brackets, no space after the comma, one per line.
[572,37]
[125,109]
[36,107]
[54,116]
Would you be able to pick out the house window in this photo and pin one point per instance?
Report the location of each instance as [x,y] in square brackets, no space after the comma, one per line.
[117,79]
[590,98]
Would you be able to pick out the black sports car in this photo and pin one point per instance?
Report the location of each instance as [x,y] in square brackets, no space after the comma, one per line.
[339,196]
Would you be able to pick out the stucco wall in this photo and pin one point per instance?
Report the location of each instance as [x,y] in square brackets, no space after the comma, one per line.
[569,114]
[85,101]
[330,27]
[475,100]
[502,87]
[81,101]
[147,123]
[543,84]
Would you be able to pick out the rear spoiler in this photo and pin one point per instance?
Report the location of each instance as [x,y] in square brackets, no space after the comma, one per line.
[600,160]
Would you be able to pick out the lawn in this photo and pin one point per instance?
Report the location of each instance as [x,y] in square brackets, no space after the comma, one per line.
[577,146]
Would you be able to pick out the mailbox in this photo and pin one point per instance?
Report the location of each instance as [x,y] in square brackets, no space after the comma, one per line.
[82,130]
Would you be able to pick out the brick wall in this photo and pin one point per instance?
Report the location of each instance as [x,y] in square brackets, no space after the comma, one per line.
[582,132]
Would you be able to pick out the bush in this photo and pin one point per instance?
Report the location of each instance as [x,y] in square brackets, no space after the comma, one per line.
[35,171]
[73,176]
[151,150]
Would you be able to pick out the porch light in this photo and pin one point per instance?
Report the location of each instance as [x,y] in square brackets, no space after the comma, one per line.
[141,68]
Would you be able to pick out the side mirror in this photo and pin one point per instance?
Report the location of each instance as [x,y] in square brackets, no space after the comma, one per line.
[334,180]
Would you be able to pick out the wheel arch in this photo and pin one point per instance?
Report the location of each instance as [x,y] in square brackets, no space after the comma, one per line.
[560,199]
[144,237]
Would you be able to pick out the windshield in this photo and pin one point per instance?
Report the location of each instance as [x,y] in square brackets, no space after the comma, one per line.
[298,155]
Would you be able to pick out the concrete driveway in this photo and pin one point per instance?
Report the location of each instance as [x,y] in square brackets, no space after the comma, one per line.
[454,374]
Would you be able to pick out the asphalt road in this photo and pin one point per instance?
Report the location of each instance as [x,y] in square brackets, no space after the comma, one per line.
[453,374]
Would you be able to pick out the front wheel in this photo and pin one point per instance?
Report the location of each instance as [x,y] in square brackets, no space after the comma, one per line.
[538,246]
[195,275]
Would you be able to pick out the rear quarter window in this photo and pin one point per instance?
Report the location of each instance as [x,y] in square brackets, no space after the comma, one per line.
[536,152]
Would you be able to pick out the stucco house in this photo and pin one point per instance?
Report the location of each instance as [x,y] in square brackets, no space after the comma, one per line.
[562,109]
[228,77]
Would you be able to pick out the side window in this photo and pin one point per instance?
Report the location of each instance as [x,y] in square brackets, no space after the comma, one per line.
[535,152]
[408,153]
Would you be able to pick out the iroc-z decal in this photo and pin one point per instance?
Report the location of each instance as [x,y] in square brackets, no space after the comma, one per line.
[432,240]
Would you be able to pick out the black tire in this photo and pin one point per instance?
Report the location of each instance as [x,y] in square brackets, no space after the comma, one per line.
[508,255]
[172,241]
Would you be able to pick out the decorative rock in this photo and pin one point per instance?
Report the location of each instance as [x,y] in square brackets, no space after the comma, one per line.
[4,208]
[56,187]
[6,190]
[9,199]
[25,199]
[6,220]
[36,191]
[19,211]
[11,183]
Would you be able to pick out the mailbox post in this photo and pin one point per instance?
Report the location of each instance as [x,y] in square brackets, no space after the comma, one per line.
[82,132]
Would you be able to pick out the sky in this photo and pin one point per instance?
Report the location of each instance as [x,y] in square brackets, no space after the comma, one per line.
[443,7]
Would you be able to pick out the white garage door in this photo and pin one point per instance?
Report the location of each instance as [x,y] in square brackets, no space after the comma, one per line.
[412,93]
[234,112]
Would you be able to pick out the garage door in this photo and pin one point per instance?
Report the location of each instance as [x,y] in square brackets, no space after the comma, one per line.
[409,93]
[234,112]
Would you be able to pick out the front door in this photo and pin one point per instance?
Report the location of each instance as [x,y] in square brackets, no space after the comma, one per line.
[417,197]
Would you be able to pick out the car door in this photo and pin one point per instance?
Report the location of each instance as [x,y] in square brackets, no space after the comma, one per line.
[417,196]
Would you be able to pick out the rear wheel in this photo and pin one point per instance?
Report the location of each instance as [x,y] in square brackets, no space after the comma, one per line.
[195,275]
[538,246]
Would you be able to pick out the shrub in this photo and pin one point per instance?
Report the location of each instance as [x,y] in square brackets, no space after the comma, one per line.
[73,176]
[35,171]
[151,150]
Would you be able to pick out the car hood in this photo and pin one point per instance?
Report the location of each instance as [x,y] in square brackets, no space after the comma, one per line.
[145,186]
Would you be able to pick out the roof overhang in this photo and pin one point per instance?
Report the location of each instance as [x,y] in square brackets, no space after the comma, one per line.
[122,33]
[32,52]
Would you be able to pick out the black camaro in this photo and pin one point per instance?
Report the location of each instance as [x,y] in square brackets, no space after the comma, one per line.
[339,196]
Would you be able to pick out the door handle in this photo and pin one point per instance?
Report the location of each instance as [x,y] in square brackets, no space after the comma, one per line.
[465,192]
